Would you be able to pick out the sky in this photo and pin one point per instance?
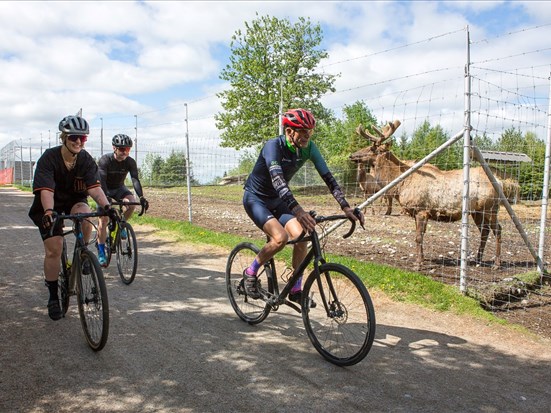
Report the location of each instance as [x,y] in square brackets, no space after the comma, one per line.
[144,64]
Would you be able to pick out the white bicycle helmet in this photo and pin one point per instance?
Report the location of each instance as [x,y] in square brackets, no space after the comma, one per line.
[74,125]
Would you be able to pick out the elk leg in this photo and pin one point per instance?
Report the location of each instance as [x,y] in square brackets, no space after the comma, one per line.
[388,204]
[496,229]
[483,226]
[420,228]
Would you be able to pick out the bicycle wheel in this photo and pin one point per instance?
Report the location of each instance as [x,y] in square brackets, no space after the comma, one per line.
[108,249]
[342,325]
[249,310]
[93,306]
[63,280]
[127,254]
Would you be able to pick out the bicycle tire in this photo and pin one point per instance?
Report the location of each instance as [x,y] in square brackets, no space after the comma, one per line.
[127,254]
[93,306]
[342,329]
[63,280]
[108,249]
[252,311]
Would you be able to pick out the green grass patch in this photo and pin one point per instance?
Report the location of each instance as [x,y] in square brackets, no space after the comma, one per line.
[399,285]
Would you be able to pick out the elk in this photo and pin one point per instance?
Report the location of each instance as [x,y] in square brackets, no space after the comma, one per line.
[369,185]
[430,193]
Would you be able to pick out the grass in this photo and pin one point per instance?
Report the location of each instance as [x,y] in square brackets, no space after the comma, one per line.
[399,285]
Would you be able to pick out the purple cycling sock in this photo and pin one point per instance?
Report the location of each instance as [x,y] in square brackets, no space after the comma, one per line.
[253,268]
[298,286]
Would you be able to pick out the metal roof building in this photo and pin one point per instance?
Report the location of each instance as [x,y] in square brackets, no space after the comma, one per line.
[509,157]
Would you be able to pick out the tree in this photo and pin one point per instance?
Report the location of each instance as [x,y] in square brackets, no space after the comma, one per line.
[427,138]
[151,169]
[338,139]
[173,170]
[272,61]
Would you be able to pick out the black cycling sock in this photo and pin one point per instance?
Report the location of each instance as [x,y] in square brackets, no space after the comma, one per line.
[52,287]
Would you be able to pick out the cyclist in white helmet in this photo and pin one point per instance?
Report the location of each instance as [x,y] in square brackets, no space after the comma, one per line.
[64,177]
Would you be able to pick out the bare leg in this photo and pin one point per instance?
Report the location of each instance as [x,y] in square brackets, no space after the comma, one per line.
[277,238]
[129,209]
[52,257]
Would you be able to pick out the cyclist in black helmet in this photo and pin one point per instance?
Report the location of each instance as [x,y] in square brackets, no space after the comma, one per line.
[64,177]
[113,169]
[271,205]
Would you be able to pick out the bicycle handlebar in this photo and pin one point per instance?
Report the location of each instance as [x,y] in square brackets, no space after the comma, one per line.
[78,216]
[122,203]
[323,218]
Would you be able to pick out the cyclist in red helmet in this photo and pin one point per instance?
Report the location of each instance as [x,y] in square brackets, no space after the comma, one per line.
[269,202]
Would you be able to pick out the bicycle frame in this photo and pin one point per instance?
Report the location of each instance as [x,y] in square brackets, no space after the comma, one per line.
[314,255]
[79,245]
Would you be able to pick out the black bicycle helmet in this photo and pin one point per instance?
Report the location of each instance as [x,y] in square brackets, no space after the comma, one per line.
[121,140]
[74,125]
[299,118]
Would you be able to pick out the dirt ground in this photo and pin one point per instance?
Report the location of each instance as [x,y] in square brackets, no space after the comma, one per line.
[391,240]
[176,346]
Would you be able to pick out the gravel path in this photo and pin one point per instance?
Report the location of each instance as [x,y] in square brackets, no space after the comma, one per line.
[175,345]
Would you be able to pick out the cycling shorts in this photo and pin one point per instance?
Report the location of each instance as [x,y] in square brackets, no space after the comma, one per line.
[261,209]
[118,194]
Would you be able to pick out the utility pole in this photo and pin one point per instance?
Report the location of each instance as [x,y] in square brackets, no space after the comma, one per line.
[136,141]
[188,167]
[281,106]
[101,138]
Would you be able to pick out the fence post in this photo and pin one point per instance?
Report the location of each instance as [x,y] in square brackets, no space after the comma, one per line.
[545,193]
[188,179]
[466,173]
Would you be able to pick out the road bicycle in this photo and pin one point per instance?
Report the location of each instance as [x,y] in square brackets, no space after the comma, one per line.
[341,324]
[125,249]
[83,277]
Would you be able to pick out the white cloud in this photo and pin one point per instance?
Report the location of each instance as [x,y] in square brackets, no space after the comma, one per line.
[118,59]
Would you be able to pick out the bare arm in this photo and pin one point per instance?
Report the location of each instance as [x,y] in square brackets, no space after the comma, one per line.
[47,199]
[98,195]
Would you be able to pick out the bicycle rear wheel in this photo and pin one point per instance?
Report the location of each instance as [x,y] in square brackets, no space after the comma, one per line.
[342,325]
[249,310]
[93,306]
[63,279]
[127,254]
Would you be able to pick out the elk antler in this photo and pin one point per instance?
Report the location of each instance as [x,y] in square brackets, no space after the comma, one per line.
[362,132]
[389,129]
[384,134]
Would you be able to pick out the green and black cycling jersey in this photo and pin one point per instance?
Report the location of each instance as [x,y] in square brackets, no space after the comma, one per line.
[278,162]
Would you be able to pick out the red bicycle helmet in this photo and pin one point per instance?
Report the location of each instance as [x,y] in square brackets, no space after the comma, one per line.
[299,118]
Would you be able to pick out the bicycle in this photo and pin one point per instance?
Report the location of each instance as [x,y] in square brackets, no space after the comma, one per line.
[83,277]
[341,324]
[126,249]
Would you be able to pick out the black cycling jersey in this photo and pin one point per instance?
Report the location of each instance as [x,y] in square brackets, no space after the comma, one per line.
[68,186]
[113,173]
[277,164]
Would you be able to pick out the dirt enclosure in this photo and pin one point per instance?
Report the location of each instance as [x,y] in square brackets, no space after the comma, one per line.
[391,240]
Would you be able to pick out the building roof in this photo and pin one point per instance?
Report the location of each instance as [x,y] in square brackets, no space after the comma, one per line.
[505,156]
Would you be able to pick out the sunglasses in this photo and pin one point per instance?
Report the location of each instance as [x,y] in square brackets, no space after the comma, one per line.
[124,148]
[307,132]
[74,138]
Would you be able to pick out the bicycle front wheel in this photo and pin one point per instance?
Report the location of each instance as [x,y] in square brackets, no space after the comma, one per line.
[127,254]
[342,325]
[93,306]
[250,310]
[63,280]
